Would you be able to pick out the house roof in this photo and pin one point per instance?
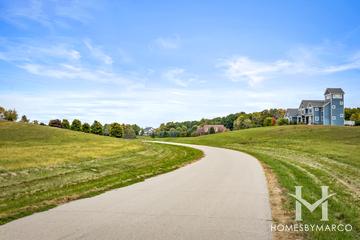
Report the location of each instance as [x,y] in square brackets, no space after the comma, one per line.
[334,91]
[292,112]
[314,103]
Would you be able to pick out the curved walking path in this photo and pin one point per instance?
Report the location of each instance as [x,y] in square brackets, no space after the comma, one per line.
[222,196]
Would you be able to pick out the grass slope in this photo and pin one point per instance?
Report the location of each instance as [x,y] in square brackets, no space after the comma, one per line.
[309,156]
[41,167]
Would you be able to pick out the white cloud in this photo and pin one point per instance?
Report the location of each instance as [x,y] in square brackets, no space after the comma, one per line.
[66,71]
[254,72]
[168,42]
[179,76]
[98,53]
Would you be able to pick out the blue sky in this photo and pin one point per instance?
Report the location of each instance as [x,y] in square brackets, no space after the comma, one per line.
[148,62]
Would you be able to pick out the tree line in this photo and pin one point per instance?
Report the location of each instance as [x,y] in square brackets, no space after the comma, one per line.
[236,121]
[114,129]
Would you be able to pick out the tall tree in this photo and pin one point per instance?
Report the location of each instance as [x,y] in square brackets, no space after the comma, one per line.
[24,119]
[65,124]
[10,115]
[85,128]
[116,130]
[55,123]
[76,125]
[97,128]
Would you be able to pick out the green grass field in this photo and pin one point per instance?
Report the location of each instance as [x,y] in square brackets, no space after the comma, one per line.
[309,156]
[41,167]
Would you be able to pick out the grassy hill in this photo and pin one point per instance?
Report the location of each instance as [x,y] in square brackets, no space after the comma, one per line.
[41,167]
[309,156]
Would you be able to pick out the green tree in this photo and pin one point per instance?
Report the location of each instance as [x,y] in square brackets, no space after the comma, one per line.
[36,122]
[282,121]
[85,128]
[55,123]
[97,128]
[136,129]
[355,117]
[24,119]
[76,125]
[129,132]
[268,121]
[65,124]
[116,130]
[242,122]
[10,115]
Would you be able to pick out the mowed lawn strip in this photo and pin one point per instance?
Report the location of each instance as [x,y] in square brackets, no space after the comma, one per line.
[41,167]
[308,156]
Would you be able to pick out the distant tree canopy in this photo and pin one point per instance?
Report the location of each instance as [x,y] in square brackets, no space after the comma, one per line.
[10,115]
[129,132]
[55,123]
[65,124]
[352,113]
[232,121]
[97,128]
[76,125]
[24,119]
[116,130]
[85,128]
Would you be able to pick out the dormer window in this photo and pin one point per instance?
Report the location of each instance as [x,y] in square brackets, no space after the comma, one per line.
[337,96]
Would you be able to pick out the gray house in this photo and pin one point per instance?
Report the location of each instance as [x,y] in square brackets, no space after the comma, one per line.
[320,112]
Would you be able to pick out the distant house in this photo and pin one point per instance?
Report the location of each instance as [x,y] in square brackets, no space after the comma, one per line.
[206,128]
[320,112]
[148,131]
[2,117]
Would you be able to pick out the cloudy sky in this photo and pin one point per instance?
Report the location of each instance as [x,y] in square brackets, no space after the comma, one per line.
[148,62]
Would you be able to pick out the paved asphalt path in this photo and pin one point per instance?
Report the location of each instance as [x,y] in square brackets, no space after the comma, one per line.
[222,196]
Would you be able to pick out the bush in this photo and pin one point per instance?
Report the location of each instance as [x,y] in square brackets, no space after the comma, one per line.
[76,125]
[97,128]
[242,122]
[268,121]
[85,128]
[282,121]
[116,130]
[55,123]
[357,123]
[10,115]
[129,132]
[65,124]
[24,119]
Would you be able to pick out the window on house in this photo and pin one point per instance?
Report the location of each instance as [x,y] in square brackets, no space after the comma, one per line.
[341,103]
[316,109]
[333,117]
[333,106]
[341,115]
[337,96]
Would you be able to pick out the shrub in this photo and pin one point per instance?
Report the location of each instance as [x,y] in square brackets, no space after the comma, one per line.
[282,121]
[76,125]
[85,128]
[268,121]
[10,115]
[65,124]
[36,122]
[97,128]
[116,130]
[55,123]
[242,122]
[24,119]
[129,132]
